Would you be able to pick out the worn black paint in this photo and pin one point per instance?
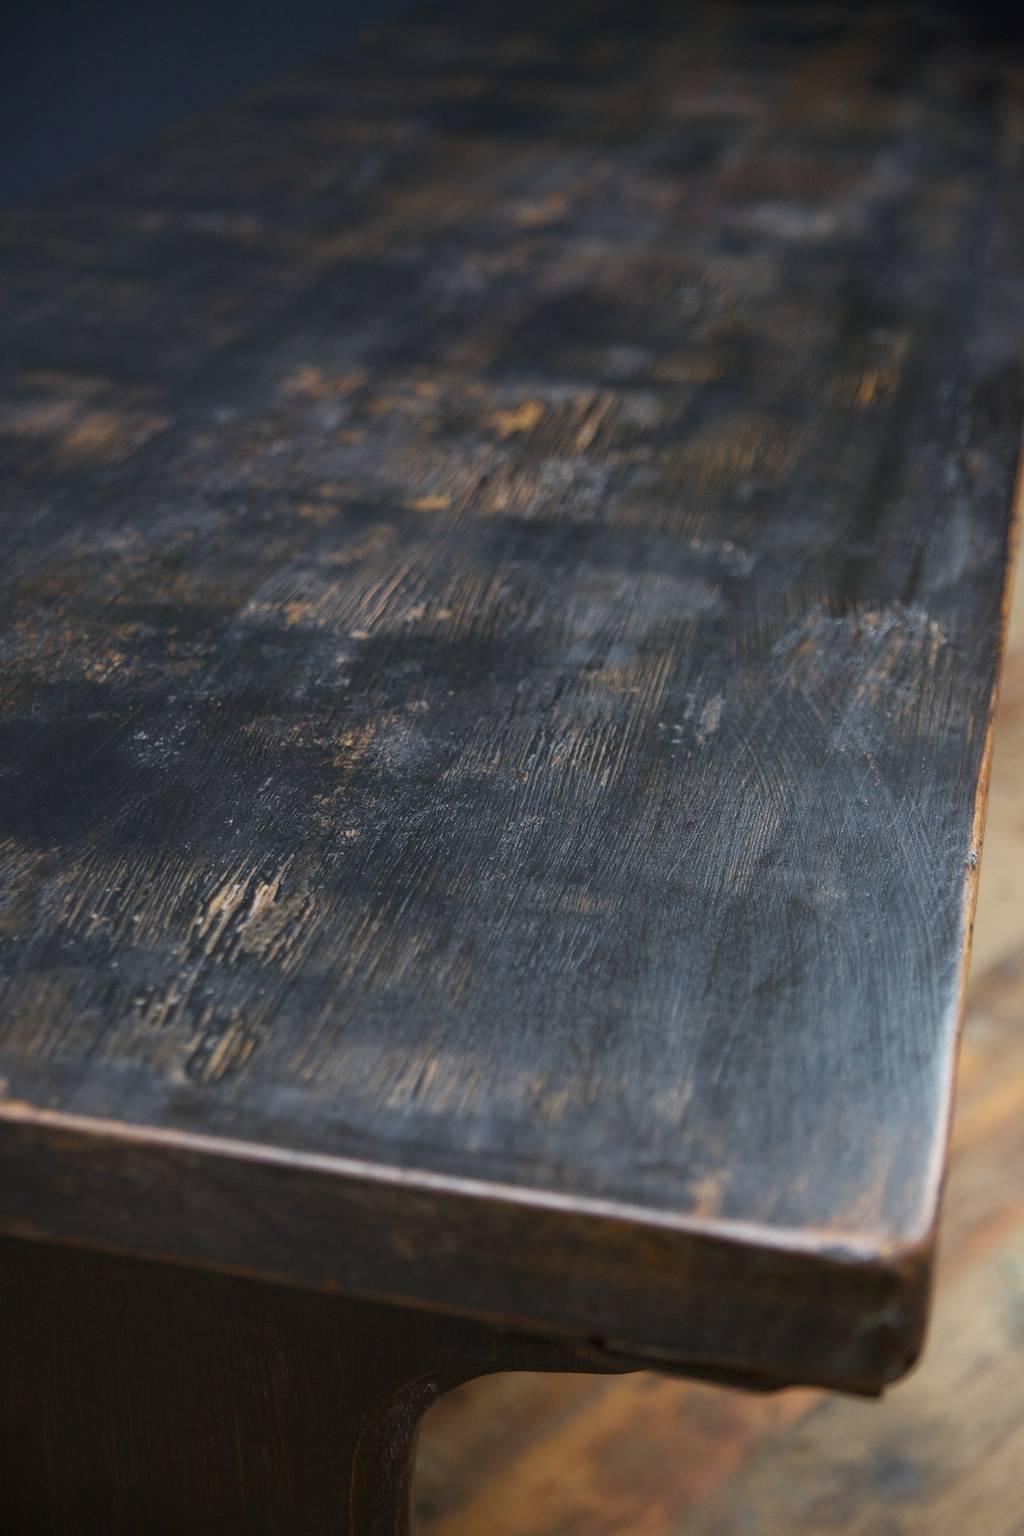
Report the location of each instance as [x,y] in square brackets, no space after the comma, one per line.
[504,558]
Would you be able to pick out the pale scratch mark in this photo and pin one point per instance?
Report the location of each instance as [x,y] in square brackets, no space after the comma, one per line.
[646,707]
[211,923]
[710,719]
[522,418]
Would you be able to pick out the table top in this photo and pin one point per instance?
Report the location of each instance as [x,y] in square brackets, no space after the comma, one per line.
[504,542]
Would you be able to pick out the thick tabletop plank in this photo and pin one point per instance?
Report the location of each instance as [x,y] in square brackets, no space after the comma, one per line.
[504,543]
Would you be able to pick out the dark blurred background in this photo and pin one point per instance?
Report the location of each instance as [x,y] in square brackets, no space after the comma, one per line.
[85,79]
[82,79]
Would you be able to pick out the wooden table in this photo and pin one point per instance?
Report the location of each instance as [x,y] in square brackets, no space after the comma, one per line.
[504,545]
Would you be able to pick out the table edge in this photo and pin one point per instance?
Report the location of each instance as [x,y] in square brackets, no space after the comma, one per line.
[740,1301]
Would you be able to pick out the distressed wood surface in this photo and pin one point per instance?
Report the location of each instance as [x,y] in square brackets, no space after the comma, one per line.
[941,1456]
[503,548]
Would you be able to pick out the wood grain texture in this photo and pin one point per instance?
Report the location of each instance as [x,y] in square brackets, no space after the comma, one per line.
[503,548]
[520,1456]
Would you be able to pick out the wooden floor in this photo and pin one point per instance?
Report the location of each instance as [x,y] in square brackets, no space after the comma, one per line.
[942,1455]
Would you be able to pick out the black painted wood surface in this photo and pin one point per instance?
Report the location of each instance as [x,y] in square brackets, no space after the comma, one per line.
[503,555]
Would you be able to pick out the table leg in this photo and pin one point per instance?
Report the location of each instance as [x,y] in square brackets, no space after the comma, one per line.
[143,1398]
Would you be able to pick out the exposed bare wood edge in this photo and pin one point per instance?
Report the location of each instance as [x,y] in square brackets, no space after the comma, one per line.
[516,1258]
[972,873]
